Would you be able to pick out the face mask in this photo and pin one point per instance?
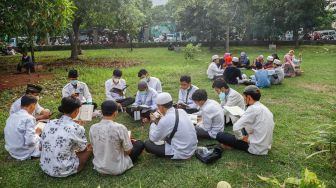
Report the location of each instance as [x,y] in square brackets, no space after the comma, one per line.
[116,80]
[143,93]
[74,82]
[221,96]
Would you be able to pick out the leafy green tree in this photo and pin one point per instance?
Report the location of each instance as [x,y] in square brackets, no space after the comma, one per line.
[34,18]
[130,19]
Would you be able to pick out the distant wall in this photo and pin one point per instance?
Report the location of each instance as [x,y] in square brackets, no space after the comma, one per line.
[165,44]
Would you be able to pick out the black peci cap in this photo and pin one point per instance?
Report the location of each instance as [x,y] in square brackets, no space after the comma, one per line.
[73,73]
[31,88]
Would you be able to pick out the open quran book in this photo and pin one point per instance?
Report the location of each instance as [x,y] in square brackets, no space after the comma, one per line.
[234,110]
[85,113]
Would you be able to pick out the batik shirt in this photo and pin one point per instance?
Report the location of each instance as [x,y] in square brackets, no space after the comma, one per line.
[60,139]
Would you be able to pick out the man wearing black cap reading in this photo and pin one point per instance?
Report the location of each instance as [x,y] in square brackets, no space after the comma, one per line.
[40,112]
[254,130]
[76,88]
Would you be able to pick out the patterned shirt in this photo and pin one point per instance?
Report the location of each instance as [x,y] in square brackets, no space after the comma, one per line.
[60,139]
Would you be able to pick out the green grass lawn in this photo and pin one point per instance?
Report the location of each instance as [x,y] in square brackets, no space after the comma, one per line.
[299,105]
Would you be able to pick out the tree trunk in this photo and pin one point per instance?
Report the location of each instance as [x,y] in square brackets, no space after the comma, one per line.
[211,41]
[32,53]
[131,42]
[227,41]
[75,40]
[296,37]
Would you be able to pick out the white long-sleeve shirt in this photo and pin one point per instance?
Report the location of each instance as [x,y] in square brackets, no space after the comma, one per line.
[21,141]
[109,85]
[16,106]
[233,98]
[258,123]
[184,142]
[82,89]
[149,99]
[212,117]
[154,83]
[213,71]
[185,96]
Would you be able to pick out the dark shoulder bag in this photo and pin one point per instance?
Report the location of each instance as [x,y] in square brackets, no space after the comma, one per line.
[209,154]
[170,137]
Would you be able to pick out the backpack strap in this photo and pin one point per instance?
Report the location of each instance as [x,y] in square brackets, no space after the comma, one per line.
[170,137]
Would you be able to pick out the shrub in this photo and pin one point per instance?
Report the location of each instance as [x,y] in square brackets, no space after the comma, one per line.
[325,142]
[190,51]
[308,180]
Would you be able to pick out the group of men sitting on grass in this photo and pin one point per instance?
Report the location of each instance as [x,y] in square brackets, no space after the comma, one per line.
[63,147]
[267,73]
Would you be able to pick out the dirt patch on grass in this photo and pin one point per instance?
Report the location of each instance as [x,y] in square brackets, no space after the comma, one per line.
[317,87]
[8,81]
[91,63]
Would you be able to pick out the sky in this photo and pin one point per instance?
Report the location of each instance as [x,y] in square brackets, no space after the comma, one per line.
[159,2]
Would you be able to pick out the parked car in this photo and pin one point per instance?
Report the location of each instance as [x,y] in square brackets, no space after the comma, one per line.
[328,34]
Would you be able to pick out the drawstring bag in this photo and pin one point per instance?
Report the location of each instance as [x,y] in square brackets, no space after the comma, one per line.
[209,154]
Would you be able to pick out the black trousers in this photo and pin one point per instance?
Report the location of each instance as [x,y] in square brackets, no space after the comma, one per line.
[126,102]
[28,66]
[230,140]
[191,110]
[201,133]
[138,147]
[158,150]
[142,115]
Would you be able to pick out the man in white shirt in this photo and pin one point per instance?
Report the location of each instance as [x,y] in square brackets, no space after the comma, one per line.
[145,96]
[214,71]
[113,149]
[186,90]
[152,82]
[115,90]
[40,112]
[279,75]
[254,130]
[212,115]
[21,138]
[77,89]
[175,128]
[228,97]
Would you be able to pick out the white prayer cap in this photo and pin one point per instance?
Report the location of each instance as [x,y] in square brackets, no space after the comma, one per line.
[215,57]
[235,59]
[270,58]
[277,62]
[163,98]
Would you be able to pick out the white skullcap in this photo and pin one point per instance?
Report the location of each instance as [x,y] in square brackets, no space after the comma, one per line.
[277,62]
[163,98]
[270,58]
[235,59]
[215,57]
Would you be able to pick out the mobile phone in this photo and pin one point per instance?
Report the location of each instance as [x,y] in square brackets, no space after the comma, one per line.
[244,132]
